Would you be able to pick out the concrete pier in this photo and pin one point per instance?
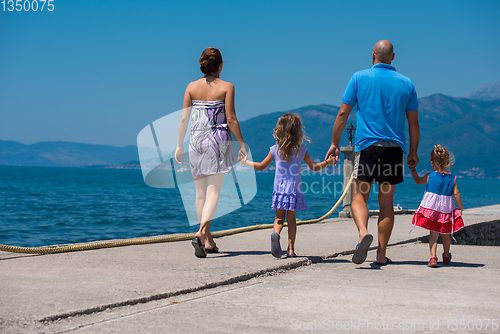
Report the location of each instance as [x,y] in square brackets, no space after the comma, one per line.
[164,288]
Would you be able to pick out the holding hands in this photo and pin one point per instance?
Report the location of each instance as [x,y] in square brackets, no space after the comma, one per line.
[412,160]
[332,156]
[242,154]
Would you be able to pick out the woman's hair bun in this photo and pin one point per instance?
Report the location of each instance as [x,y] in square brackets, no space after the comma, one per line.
[210,60]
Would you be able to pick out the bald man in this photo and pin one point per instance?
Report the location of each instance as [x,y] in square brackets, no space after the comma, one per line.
[385,100]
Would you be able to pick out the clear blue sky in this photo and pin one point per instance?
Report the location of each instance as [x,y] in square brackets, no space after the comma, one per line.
[99,71]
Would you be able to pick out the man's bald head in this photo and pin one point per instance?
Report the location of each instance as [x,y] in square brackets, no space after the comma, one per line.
[383,52]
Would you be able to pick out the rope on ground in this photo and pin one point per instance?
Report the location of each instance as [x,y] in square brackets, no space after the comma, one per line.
[157,239]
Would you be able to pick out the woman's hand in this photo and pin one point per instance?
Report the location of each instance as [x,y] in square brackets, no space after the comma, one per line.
[242,154]
[179,153]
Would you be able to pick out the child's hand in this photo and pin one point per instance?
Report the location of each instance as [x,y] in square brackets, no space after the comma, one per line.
[330,160]
[333,151]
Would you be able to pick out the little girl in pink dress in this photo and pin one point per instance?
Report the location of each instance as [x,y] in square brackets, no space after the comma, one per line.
[437,211]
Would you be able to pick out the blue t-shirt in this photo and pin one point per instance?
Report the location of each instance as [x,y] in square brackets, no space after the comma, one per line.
[383,97]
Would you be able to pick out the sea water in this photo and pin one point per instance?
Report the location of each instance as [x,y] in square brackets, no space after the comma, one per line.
[42,206]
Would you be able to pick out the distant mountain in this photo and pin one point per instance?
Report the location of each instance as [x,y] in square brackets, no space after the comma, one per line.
[64,154]
[486,93]
[318,123]
[470,129]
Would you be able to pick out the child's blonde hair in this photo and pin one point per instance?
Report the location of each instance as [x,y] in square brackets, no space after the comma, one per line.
[441,157]
[289,135]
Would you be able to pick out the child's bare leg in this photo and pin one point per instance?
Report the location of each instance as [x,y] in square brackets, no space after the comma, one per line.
[279,220]
[446,244]
[292,230]
[433,238]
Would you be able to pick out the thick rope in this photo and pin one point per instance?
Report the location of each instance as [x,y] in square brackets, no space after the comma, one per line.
[159,238]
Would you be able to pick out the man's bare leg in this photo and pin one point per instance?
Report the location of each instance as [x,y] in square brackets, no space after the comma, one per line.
[360,214]
[385,219]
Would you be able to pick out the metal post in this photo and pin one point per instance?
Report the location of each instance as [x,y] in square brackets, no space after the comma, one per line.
[348,167]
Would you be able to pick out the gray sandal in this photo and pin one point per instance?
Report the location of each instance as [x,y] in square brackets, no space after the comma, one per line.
[361,251]
[198,248]
[275,245]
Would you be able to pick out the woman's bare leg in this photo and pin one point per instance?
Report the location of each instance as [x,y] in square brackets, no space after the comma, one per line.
[201,193]
[214,184]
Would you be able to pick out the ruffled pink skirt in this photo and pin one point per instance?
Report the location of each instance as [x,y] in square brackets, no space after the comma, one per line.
[445,223]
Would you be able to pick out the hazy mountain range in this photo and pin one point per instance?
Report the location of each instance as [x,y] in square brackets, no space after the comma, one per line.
[60,154]
[469,127]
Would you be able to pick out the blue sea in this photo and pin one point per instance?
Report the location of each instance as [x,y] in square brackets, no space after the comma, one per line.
[42,206]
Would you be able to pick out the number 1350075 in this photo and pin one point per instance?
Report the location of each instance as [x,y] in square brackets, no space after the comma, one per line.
[27,5]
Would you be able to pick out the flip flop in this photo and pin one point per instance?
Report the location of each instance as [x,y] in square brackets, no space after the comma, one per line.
[215,249]
[275,245]
[387,261]
[290,255]
[361,251]
[198,248]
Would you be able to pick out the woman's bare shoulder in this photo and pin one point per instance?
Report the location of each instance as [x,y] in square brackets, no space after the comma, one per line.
[194,83]
[224,83]
[227,86]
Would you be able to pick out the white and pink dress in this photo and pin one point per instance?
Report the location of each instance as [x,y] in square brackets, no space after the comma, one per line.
[437,211]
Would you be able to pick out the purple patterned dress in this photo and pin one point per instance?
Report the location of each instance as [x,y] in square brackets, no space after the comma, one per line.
[210,142]
[287,193]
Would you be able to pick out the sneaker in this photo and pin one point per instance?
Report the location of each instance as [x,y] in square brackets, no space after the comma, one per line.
[446,259]
[433,262]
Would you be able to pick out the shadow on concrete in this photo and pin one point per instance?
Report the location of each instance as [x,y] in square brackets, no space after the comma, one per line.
[336,261]
[375,266]
[232,254]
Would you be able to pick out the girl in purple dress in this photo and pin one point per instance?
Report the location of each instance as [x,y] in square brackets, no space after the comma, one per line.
[288,197]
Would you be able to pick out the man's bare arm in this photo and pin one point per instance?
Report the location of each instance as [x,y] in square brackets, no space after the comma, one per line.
[414,132]
[338,128]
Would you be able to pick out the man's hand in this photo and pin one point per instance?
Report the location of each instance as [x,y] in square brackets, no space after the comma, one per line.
[412,160]
[333,151]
